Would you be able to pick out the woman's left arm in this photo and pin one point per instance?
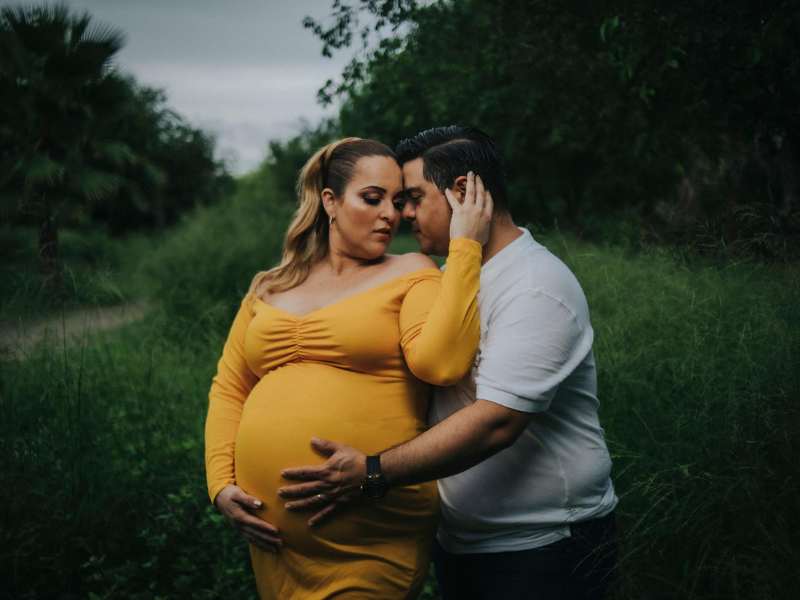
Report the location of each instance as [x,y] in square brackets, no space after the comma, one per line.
[226,397]
[439,318]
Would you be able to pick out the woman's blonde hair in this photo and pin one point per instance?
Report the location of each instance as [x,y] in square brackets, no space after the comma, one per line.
[306,240]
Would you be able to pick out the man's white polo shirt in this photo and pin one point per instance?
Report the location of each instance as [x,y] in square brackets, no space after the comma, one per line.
[535,356]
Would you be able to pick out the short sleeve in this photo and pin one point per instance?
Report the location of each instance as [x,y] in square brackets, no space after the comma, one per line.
[439,318]
[533,344]
[229,389]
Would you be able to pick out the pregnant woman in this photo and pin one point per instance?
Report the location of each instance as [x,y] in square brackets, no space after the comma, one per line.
[341,340]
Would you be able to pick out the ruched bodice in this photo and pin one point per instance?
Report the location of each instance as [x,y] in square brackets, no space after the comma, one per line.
[348,341]
[355,371]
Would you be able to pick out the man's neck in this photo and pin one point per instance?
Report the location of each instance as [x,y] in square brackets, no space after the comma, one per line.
[503,232]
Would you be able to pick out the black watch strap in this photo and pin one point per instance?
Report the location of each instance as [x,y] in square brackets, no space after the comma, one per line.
[374,485]
[373,465]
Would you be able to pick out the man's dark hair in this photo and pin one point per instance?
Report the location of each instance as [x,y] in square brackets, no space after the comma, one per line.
[451,151]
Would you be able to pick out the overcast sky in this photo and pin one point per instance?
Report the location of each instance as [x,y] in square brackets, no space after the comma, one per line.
[244,69]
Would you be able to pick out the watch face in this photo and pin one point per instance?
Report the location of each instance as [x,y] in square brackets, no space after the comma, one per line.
[374,487]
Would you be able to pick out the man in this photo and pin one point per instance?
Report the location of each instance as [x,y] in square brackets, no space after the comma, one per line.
[526,497]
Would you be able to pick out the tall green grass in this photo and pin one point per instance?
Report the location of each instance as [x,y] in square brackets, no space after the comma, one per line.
[207,264]
[699,388]
[101,443]
[96,269]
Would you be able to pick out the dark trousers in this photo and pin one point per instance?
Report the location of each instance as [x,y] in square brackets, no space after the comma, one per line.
[580,567]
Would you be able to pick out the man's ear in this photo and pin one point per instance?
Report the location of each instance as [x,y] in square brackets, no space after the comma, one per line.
[460,187]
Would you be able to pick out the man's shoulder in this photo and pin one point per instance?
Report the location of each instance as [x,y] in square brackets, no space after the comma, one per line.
[535,274]
[536,268]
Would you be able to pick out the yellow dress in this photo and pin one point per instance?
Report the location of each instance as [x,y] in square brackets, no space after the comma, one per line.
[354,372]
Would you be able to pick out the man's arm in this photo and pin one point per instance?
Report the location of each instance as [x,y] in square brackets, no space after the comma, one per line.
[464,439]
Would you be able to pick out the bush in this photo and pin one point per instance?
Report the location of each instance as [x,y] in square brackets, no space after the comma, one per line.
[208,262]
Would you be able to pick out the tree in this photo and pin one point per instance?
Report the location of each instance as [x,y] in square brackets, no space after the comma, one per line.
[57,86]
[601,108]
[534,75]
[172,168]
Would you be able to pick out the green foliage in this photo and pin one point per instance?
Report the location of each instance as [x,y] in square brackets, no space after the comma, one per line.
[97,270]
[697,385]
[600,108]
[698,380]
[167,167]
[81,143]
[129,471]
[54,73]
[110,453]
[205,266]
[285,159]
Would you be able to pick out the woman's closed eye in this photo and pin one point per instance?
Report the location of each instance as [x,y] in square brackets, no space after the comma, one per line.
[398,203]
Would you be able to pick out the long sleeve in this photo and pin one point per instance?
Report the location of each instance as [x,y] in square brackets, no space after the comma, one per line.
[229,390]
[439,318]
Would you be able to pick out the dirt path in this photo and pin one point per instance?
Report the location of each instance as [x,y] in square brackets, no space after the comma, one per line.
[17,338]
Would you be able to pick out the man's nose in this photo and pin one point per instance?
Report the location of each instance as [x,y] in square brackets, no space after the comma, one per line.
[409,212]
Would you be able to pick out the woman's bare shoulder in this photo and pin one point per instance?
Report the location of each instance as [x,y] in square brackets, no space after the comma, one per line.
[410,262]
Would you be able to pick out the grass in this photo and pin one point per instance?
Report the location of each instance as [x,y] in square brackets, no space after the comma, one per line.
[699,389]
[101,443]
[96,270]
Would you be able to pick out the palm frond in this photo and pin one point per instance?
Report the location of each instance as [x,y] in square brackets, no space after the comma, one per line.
[118,154]
[78,28]
[153,174]
[95,185]
[42,170]
[64,39]
[101,33]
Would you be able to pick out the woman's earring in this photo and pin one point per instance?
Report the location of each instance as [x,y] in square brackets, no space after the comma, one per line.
[331,220]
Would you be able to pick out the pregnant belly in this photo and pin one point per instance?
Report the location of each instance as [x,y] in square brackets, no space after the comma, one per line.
[299,401]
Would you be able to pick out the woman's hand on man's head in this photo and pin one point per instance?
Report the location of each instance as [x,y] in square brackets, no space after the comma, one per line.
[472,216]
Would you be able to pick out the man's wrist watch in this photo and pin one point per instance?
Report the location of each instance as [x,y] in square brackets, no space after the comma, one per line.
[374,485]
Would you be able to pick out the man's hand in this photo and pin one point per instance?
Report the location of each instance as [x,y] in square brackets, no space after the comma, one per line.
[472,216]
[327,486]
[237,507]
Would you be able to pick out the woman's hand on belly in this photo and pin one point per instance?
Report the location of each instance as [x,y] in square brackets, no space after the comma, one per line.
[239,508]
